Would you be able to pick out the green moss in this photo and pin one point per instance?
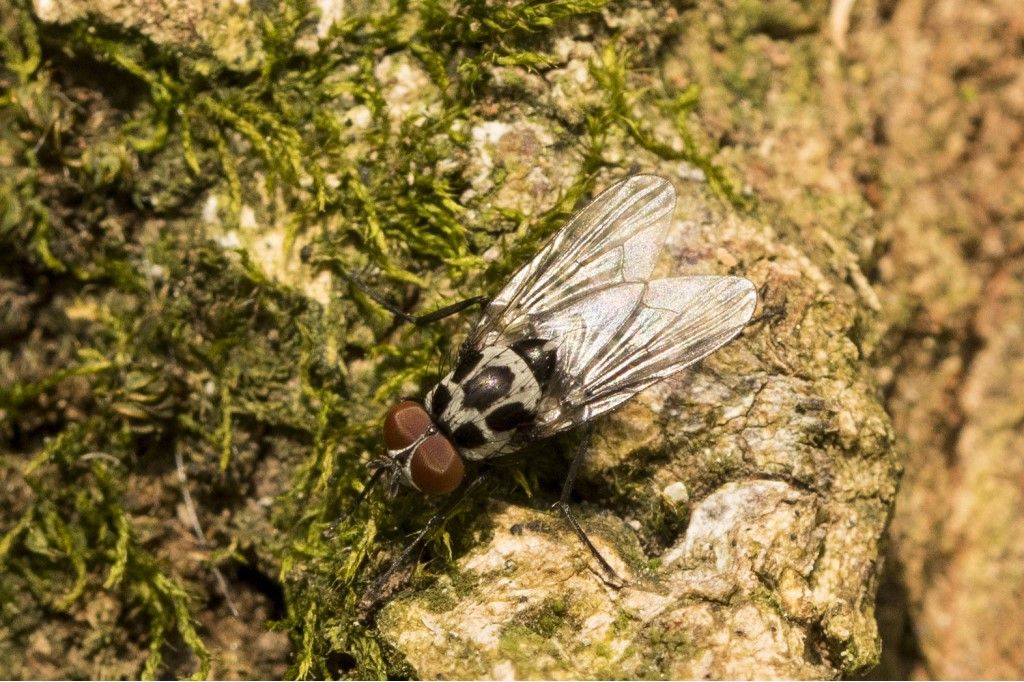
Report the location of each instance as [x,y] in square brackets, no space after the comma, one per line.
[76,523]
[526,648]
[547,618]
[769,598]
[778,19]
[862,653]
[658,644]
[447,591]
[611,71]
[623,622]
[677,640]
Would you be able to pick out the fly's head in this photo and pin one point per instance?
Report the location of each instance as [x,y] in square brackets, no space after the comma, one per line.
[418,454]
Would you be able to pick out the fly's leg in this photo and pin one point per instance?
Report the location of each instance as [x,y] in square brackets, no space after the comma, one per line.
[401,315]
[332,528]
[772,313]
[400,570]
[768,312]
[563,506]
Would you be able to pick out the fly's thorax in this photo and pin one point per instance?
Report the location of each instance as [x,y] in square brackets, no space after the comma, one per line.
[417,453]
[490,395]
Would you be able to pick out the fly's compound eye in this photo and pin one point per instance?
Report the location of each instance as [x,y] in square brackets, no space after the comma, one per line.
[436,467]
[404,424]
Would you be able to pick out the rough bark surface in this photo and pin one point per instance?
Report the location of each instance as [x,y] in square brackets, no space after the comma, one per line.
[951,205]
[173,222]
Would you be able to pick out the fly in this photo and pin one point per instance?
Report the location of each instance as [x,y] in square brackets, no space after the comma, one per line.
[576,332]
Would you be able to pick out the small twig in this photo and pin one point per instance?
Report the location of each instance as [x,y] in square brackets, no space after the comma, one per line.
[106,456]
[197,529]
[839,22]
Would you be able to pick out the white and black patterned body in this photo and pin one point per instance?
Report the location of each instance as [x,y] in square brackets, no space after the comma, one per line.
[488,403]
[578,330]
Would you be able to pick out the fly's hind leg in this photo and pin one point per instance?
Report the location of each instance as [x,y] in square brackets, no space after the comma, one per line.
[401,315]
[768,312]
[563,506]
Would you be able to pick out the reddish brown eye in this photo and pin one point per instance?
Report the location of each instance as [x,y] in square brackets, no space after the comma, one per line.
[404,424]
[436,468]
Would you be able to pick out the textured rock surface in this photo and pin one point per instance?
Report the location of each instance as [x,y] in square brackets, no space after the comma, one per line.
[225,29]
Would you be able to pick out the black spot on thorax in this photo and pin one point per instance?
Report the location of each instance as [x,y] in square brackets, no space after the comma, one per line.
[468,436]
[466,363]
[508,417]
[487,387]
[539,355]
[439,401]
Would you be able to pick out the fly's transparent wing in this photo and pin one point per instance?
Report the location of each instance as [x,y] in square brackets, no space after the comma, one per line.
[625,338]
[613,240]
[616,330]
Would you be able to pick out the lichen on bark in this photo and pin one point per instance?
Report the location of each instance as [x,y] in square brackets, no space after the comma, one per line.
[179,198]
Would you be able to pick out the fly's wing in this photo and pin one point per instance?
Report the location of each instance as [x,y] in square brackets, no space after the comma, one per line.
[626,337]
[614,240]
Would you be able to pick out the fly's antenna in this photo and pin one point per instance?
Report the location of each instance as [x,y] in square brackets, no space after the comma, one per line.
[332,528]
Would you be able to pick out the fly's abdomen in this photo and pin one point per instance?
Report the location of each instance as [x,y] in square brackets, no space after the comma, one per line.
[490,396]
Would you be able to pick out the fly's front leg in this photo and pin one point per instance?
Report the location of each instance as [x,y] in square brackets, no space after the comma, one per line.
[563,506]
[332,528]
[401,315]
[400,570]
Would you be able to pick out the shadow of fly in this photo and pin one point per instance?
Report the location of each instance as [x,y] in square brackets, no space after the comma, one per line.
[576,332]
